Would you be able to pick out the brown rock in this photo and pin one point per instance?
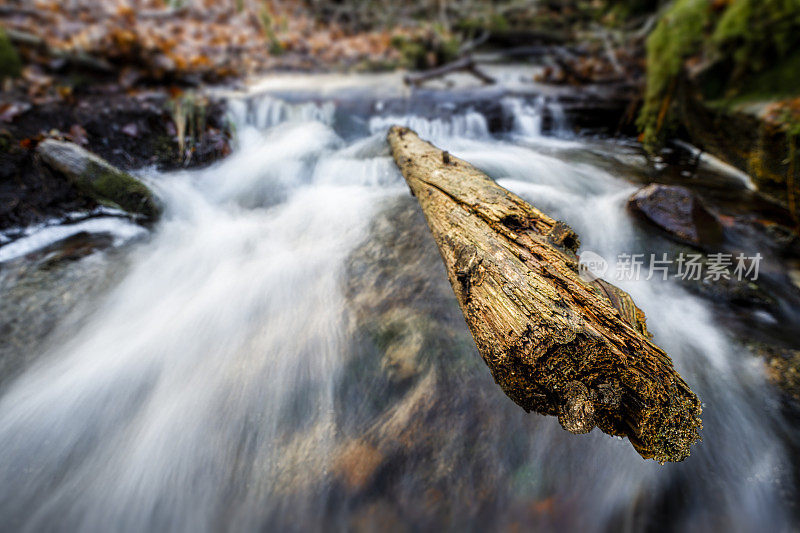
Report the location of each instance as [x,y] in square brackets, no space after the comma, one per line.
[677,211]
[357,464]
[783,370]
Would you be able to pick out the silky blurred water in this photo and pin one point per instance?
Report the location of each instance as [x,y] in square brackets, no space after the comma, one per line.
[202,392]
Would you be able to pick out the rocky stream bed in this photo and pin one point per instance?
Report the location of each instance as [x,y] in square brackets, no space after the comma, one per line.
[292,310]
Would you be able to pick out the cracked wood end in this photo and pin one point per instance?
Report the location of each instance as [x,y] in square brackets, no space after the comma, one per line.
[555,344]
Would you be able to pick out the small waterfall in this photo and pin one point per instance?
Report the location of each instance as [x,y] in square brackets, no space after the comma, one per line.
[264,111]
[526,117]
[560,126]
[529,118]
[471,125]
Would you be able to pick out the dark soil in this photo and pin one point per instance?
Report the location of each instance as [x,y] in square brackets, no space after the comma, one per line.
[129,130]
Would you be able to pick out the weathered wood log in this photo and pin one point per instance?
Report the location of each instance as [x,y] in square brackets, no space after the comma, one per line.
[556,344]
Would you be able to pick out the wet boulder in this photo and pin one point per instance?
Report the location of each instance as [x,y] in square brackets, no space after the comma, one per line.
[677,211]
[356,464]
[782,367]
[783,370]
[53,287]
[732,291]
[98,179]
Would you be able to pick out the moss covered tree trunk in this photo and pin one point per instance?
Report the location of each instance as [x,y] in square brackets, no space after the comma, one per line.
[555,343]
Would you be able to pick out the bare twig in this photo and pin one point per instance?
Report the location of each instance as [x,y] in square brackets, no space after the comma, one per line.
[462,65]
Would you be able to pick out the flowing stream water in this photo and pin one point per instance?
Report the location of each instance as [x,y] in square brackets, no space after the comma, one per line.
[237,374]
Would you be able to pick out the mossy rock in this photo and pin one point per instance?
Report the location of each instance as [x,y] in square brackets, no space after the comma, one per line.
[743,136]
[98,179]
[742,49]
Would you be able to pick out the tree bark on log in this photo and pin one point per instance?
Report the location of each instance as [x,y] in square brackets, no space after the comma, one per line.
[555,344]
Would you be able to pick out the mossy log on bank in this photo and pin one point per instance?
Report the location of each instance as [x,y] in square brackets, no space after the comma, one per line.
[556,344]
[99,179]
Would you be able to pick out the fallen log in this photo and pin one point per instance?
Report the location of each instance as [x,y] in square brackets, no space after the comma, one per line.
[555,344]
[462,65]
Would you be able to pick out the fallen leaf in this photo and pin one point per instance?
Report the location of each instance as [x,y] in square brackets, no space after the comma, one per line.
[131,130]
[78,135]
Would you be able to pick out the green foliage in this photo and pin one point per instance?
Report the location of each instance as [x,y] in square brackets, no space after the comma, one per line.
[10,63]
[623,10]
[412,50]
[754,44]
[758,32]
[447,44]
[267,26]
[435,46]
[678,34]
[499,23]
[774,83]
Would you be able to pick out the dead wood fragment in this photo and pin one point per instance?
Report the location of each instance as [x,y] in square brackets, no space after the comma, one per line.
[556,344]
[462,65]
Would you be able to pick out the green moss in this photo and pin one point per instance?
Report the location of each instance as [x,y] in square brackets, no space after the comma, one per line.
[781,80]
[620,12]
[759,32]
[268,28]
[10,63]
[435,46]
[776,83]
[412,51]
[751,48]
[678,34]
[108,185]
[498,23]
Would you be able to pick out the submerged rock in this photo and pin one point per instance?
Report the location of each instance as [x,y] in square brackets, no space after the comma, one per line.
[356,464]
[55,287]
[732,291]
[677,211]
[782,369]
[97,178]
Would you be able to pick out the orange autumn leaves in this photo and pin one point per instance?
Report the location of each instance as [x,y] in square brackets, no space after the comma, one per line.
[198,40]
